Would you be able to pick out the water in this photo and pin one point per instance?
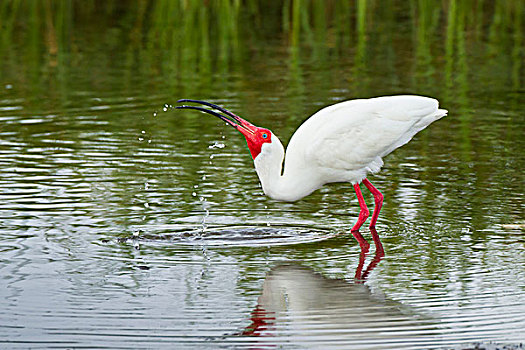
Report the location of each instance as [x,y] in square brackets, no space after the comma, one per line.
[128,224]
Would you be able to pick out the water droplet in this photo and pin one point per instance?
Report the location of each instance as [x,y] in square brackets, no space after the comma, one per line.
[217,145]
[143,131]
[149,141]
[9,86]
[194,194]
[165,109]
[141,139]
[201,198]
[146,205]
[211,156]
[154,114]
[195,186]
[204,177]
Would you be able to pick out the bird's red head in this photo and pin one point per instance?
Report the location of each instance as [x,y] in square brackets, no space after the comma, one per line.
[255,136]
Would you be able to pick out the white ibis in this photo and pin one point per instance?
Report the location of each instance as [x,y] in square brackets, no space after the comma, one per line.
[340,143]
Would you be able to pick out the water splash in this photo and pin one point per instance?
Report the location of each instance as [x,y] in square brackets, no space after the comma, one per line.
[217,145]
[135,240]
[166,107]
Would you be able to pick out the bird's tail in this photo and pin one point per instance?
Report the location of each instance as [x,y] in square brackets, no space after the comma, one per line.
[440,113]
[428,119]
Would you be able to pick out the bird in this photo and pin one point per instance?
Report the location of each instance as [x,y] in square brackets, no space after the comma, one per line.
[343,142]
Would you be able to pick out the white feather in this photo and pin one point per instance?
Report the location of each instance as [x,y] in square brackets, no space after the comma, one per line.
[343,143]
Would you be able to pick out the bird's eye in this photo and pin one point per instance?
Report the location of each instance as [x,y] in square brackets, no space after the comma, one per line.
[265,136]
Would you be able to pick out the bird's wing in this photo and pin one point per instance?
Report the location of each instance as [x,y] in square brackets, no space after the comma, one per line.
[352,136]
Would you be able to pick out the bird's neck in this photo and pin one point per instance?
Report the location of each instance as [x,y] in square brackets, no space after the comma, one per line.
[287,185]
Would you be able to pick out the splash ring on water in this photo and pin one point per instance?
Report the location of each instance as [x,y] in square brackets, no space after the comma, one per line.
[244,236]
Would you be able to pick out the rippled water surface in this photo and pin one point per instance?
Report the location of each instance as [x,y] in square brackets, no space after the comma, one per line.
[128,224]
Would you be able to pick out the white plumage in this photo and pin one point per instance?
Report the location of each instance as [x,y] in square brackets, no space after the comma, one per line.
[343,143]
[340,143]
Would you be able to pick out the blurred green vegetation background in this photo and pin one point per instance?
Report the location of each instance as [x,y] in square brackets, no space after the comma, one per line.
[167,43]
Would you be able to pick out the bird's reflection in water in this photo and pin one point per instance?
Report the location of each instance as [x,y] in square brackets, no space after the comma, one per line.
[298,305]
[360,276]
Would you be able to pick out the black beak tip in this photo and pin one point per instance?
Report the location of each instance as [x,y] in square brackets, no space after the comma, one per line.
[193,101]
[231,115]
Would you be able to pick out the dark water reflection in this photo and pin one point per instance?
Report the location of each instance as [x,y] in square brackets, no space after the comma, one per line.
[125,224]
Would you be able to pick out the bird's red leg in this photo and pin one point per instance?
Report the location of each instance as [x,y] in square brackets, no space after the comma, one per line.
[378,199]
[363,214]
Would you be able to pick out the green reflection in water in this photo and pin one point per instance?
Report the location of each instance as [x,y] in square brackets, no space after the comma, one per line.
[174,42]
